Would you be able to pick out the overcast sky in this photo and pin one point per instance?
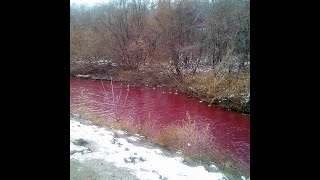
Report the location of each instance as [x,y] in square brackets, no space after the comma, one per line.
[87,2]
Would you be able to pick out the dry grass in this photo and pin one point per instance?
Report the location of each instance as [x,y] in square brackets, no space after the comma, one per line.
[193,140]
[152,76]
[98,119]
[216,86]
[126,125]
[223,81]
[213,88]
[148,128]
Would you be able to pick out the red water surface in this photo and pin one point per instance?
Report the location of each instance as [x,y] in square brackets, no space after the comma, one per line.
[230,129]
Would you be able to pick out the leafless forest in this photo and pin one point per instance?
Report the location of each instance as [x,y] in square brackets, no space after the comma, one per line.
[199,47]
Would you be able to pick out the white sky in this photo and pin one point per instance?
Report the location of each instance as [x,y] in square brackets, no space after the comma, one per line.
[87,2]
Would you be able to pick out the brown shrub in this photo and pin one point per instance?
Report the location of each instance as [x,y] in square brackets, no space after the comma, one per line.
[211,86]
[188,137]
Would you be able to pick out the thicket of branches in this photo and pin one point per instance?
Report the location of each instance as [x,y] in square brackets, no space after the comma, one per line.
[181,33]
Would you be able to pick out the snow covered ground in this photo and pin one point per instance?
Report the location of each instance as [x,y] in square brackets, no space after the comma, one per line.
[90,143]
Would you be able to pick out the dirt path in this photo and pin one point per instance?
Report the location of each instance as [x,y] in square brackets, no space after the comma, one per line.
[98,169]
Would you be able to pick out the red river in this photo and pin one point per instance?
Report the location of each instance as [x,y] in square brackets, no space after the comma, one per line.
[163,105]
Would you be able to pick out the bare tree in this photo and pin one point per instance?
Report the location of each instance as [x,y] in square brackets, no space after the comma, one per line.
[186,33]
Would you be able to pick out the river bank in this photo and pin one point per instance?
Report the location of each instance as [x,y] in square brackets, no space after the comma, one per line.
[106,153]
[200,87]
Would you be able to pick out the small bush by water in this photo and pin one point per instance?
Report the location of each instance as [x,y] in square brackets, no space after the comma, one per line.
[228,90]
[187,137]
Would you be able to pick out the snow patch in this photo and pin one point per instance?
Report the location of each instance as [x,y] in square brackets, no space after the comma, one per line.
[121,132]
[134,138]
[179,152]
[246,96]
[244,178]
[83,75]
[144,162]
[76,148]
